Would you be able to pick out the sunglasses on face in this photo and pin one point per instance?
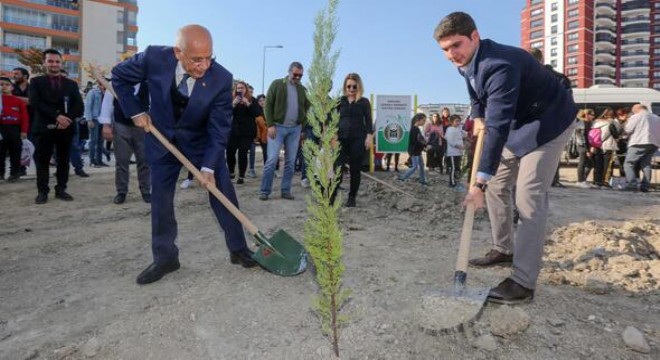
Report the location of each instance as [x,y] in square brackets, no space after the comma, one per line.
[354,87]
[297,76]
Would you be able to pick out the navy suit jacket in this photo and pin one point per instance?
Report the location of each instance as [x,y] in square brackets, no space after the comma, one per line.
[523,103]
[202,131]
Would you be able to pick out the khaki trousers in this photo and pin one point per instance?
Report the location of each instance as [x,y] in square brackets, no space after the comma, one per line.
[531,175]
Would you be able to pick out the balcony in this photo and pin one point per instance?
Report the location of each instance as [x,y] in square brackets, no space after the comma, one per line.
[24,45]
[606,20]
[40,24]
[635,53]
[57,3]
[606,29]
[633,19]
[635,5]
[608,64]
[635,77]
[604,81]
[632,65]
[633,42]
[605,39]
[605,7]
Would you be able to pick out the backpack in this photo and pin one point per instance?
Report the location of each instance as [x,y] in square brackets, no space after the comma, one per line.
[595,136]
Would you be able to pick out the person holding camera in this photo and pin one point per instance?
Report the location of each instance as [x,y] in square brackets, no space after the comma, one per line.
[243,130]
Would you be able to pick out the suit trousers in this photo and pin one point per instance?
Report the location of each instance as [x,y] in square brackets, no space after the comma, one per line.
[164,174]
[129,140]
[532,175]
[44,143]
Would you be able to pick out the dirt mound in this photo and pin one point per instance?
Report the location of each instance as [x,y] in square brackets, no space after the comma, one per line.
[599,257]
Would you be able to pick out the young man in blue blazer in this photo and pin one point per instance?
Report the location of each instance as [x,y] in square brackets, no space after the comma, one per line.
[528,120]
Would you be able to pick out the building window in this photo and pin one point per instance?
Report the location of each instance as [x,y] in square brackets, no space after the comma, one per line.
[573,24]
[534,2]
[553,29]
[572,71]
[536,12]
[23,41]
[553,40]
[572,48]
[120,17]
[656,86]
[572,2]
[572,60]
[553,63]
[656,40]
[572,36]
[537,44]
[120,37]
[553,52]
[553,6]
[573,13]
[553,18]
[574,83]
[536,34]
[536,23]
[132,18]
[131,39]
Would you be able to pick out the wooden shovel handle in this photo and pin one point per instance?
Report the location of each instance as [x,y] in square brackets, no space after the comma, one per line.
[468,222]
[249,226]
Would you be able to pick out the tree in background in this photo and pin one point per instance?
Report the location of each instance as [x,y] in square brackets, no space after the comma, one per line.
[322,234]
[33,59]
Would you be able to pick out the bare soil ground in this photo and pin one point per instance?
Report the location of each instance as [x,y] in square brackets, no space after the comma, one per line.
[67,278]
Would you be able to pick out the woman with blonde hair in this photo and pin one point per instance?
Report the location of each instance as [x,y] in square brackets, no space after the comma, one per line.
[243,130]
[355,131]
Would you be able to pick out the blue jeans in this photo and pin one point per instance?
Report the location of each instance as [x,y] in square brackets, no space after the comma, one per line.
[95,143]
[74,155]
[309,135]
[417,163]
[289,137]
[639,155]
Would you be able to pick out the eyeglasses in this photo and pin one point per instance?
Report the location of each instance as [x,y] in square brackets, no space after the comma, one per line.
[354,87]
[201,59]
[296,76]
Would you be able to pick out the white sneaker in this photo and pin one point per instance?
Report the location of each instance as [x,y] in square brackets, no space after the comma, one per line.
[277,175]
[304,183]
[186,184]
[251,173]
[583,185]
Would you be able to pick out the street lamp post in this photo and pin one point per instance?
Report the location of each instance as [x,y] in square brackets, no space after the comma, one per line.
[263,64]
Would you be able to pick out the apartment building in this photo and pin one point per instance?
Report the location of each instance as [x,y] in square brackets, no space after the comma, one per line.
[84,31]
[459,109]
[597,42]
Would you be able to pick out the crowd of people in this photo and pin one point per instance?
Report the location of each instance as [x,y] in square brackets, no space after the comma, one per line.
[220,133]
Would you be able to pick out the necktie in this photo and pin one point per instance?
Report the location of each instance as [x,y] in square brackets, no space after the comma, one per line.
[183,85]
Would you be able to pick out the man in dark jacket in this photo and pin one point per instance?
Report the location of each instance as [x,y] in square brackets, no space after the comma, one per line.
[57,104]
[528,119]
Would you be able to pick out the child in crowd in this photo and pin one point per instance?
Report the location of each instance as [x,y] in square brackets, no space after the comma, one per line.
[416,144]
[454,137]
[14,122]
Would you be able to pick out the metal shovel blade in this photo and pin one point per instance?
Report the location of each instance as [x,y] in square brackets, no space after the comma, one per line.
[449,310]
[281,254]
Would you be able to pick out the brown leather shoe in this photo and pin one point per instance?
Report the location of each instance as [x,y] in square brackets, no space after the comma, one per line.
[509,292]
[492,258]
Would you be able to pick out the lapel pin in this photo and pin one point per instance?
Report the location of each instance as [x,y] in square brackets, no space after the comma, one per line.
[203,84]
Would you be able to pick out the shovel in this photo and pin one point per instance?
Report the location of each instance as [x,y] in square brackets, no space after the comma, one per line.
[280,254]
[449,310]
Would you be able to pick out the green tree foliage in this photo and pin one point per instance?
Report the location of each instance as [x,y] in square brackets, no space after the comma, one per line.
[323,237]
[33,59]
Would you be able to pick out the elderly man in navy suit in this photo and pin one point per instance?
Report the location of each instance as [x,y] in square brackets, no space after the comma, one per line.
[191,106]
[528,120]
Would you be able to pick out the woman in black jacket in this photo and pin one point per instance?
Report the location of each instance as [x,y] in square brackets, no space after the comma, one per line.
[355,131]
[243,130]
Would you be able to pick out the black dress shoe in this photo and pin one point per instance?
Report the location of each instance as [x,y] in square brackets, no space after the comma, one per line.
[82,173]
[243,257]
[146,197]
[63,195]
[42,198]
[493,257]
[509,292]
[288,196]
[156,272]
[119,199]
[350,202]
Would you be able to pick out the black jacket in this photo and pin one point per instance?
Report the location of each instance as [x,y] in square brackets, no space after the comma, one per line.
[354,118]
[48,103]
[416,142]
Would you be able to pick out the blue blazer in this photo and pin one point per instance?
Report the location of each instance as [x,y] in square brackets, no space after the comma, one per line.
[523,103]
[202,131]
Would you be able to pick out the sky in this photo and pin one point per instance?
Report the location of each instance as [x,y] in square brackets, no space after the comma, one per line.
[388,42]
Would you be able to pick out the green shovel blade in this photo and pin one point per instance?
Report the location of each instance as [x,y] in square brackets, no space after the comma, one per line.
[281,254]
